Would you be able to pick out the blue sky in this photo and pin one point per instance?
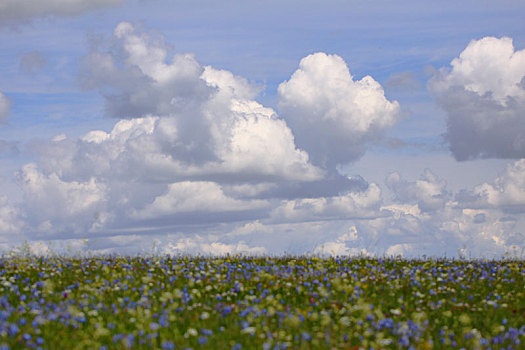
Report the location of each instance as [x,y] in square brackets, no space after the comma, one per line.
[333,127]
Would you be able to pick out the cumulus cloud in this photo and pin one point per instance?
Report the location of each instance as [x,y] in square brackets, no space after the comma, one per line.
[506,192]
[206,121]
[332,115]
[197,196]
[203,246]
[484,97]
[197,149]
[191,150]
[136,80]
[55,206]
[13,11]
[147,149]
[341,246]
[5,106]
[429,192]
[350,205]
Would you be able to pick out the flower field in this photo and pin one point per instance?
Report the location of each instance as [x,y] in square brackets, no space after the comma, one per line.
[241,302]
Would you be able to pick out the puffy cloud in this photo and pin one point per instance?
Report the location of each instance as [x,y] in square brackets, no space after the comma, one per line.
[202,246]
[133,75]
[341,245]
[484,97]
[428,219]
[12,11]
[5,106]
[192,150]
[350,205]
[148,149]
[332,115]
[56,206]
[407,231]
[429,192]
[197,196]
[234,85]
[506,192]
[207,121]
[204,147]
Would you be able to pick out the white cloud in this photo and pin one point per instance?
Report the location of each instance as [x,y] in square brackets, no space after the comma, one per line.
[136,81]
[5,106]
[248,190]
[55,206]
[484,97]
[342,245]
[10,222]
[332,115]
[149,149]
[506,192]
[197,196]
[429,192]
[202,246]
[208,123]
[196,152]
[234,85]
[12,11]
[350,205]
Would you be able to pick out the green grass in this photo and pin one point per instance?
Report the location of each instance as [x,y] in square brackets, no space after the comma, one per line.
[259,302]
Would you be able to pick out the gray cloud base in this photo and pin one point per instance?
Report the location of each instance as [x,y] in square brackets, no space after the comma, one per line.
[484,99]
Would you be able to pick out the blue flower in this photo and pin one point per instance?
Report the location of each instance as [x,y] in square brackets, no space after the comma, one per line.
[168,345]
[206,332]
[13,329]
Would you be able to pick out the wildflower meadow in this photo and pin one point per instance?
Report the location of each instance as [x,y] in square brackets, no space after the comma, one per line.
[242,302]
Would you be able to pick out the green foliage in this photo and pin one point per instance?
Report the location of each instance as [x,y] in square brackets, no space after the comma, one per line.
[120,302]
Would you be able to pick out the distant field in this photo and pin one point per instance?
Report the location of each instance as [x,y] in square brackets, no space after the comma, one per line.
[260,303]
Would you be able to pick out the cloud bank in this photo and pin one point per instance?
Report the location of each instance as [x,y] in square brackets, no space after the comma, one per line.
[193,151]
[483,94]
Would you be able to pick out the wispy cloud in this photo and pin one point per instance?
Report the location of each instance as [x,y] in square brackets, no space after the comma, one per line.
[15,12]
